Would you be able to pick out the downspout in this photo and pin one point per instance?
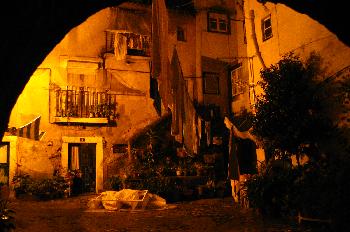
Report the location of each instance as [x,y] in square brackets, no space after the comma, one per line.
[255,41]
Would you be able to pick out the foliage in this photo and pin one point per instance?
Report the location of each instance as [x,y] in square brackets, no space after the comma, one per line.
[115,182]
[48,187]
[289,191]
[3,177]
[7,216]
[7,219]
[43,188]
[21,183]
[316,190]
[292,110]
[272,191]
[70,175]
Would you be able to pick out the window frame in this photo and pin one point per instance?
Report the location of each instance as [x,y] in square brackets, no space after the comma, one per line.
[181,34]
[205,84]
[266,37]
[218,17]
[236,81]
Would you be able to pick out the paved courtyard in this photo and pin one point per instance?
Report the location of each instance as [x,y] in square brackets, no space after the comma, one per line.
[201,215]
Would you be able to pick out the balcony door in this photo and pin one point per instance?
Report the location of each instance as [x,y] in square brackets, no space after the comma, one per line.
[82,157]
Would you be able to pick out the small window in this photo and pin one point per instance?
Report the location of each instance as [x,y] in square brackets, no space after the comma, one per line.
[266,28]
[218,22]
[211,83]
[237,83]
[180,33]
[213,24]
[222,25]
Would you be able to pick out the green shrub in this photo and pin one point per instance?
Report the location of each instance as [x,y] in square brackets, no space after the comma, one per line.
[310,189]
[42,188]
[273,192]
[21,183]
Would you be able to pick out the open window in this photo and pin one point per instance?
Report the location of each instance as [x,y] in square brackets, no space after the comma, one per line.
[236,80]
[266,27]
[127,43]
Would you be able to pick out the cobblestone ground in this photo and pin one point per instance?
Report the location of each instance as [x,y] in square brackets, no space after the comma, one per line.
[201,215]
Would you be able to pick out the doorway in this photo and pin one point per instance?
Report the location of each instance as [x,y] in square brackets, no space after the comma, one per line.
[82,159]
[4,163]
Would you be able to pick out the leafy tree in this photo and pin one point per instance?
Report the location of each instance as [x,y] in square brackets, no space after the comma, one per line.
[303,112]
[291,114]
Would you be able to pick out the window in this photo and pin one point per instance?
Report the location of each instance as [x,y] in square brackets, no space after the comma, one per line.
[180,34]
[218,22]
[266,28]
[211,83]
[137,45]
[110,41]
[237,83]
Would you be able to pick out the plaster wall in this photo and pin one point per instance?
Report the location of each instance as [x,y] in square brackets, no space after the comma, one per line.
[292,32]
[33,157]
[85,42]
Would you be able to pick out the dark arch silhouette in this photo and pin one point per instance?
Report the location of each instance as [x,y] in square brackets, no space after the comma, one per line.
[31,29]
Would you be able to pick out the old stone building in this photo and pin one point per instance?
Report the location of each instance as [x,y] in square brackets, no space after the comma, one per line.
[95,90]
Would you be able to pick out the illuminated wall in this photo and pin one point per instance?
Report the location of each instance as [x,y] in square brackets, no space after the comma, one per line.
[82,52]
[84,44]
[291,32]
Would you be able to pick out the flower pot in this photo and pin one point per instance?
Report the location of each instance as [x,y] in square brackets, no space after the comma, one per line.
[178,172]
[200,172]
[200,190]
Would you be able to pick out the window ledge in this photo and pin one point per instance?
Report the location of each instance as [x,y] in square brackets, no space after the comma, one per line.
[81,120]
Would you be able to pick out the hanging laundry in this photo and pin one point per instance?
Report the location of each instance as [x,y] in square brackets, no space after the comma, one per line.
[160,60]
[120,46]
[233,165]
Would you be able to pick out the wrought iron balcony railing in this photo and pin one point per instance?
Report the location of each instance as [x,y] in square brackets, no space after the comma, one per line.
[80,102]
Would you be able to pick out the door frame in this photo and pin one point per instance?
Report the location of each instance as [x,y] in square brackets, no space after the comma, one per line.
[12,159]
[99,155]
[6,166]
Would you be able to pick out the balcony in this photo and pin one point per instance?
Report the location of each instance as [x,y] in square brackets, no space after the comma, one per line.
[85,106]
[135,44]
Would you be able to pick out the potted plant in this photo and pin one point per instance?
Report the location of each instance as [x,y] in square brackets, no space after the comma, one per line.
[179,171]
[220,188]
[199,168]
[210,185]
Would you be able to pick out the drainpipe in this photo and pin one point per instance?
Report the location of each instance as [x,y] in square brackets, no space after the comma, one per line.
[255,41]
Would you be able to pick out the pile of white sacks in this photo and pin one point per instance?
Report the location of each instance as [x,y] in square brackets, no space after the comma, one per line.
[127,199]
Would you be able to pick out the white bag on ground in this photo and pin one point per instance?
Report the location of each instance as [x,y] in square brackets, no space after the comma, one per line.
[114,200]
